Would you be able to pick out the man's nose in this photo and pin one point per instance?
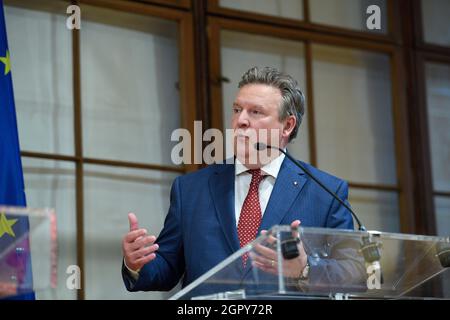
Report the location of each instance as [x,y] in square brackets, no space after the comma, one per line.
[243,120]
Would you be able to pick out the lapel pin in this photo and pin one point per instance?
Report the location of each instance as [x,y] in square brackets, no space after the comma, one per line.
[295,183]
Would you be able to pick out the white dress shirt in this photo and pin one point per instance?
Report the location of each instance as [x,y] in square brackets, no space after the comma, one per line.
[242,184]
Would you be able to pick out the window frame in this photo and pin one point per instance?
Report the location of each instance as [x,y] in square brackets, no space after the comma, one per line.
[428,190]
[392,36]
[419,32]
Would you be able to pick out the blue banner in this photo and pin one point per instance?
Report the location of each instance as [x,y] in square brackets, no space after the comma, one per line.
[14,242]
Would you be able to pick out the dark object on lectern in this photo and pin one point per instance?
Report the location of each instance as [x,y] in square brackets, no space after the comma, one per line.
[289,248]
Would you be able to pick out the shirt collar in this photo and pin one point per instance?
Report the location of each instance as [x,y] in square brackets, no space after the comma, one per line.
[271,169]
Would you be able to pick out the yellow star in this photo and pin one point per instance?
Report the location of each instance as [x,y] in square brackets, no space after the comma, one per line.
[7,62]
[5,225]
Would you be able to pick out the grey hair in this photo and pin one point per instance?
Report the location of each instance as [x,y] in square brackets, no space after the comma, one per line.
[293,100]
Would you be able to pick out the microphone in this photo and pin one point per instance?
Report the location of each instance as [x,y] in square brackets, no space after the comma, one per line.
[369,249]
[262,146]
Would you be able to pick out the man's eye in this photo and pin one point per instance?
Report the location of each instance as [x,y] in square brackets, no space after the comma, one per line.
[236,110]
[256,112]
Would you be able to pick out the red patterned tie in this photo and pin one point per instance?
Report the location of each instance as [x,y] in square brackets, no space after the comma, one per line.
[250,217]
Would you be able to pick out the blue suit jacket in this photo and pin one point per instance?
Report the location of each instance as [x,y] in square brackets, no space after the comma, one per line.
[200,228]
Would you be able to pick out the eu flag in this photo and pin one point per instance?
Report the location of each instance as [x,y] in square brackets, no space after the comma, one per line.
[13,230]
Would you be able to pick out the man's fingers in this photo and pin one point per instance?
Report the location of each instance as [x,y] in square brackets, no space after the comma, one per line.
[295,223]
[143,252]
[264,268]
[266,252]
[263,260]
[132,219]
[270,239]
[142,242]
[133,235]
[294,226]
[146,259]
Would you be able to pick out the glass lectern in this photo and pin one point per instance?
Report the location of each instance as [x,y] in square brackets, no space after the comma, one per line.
[341,264]
[27,250]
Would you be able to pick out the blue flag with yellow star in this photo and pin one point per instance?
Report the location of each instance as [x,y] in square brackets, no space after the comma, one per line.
[14,243]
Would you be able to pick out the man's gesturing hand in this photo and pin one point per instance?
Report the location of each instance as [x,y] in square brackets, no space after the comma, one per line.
[138,247]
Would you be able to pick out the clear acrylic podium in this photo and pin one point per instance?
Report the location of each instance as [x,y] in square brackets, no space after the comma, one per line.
[27,251]
[343,264]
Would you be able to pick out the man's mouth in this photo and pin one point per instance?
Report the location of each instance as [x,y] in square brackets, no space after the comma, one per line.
[241,134]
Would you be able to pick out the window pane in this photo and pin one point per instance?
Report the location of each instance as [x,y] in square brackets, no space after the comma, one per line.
[349,14]
[442,205]
[129,68]
[52,184]
[438,104]
[242,51]
[377,210]
[109,194]
[41,58]
[281,8]
[353,114]
[435,21]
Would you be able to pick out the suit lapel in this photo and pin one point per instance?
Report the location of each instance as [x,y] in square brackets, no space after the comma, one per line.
[221,185]
[289,183]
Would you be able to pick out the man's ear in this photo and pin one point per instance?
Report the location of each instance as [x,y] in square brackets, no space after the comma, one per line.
[289,125]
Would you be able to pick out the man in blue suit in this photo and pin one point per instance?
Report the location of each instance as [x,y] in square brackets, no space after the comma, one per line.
[219,209]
